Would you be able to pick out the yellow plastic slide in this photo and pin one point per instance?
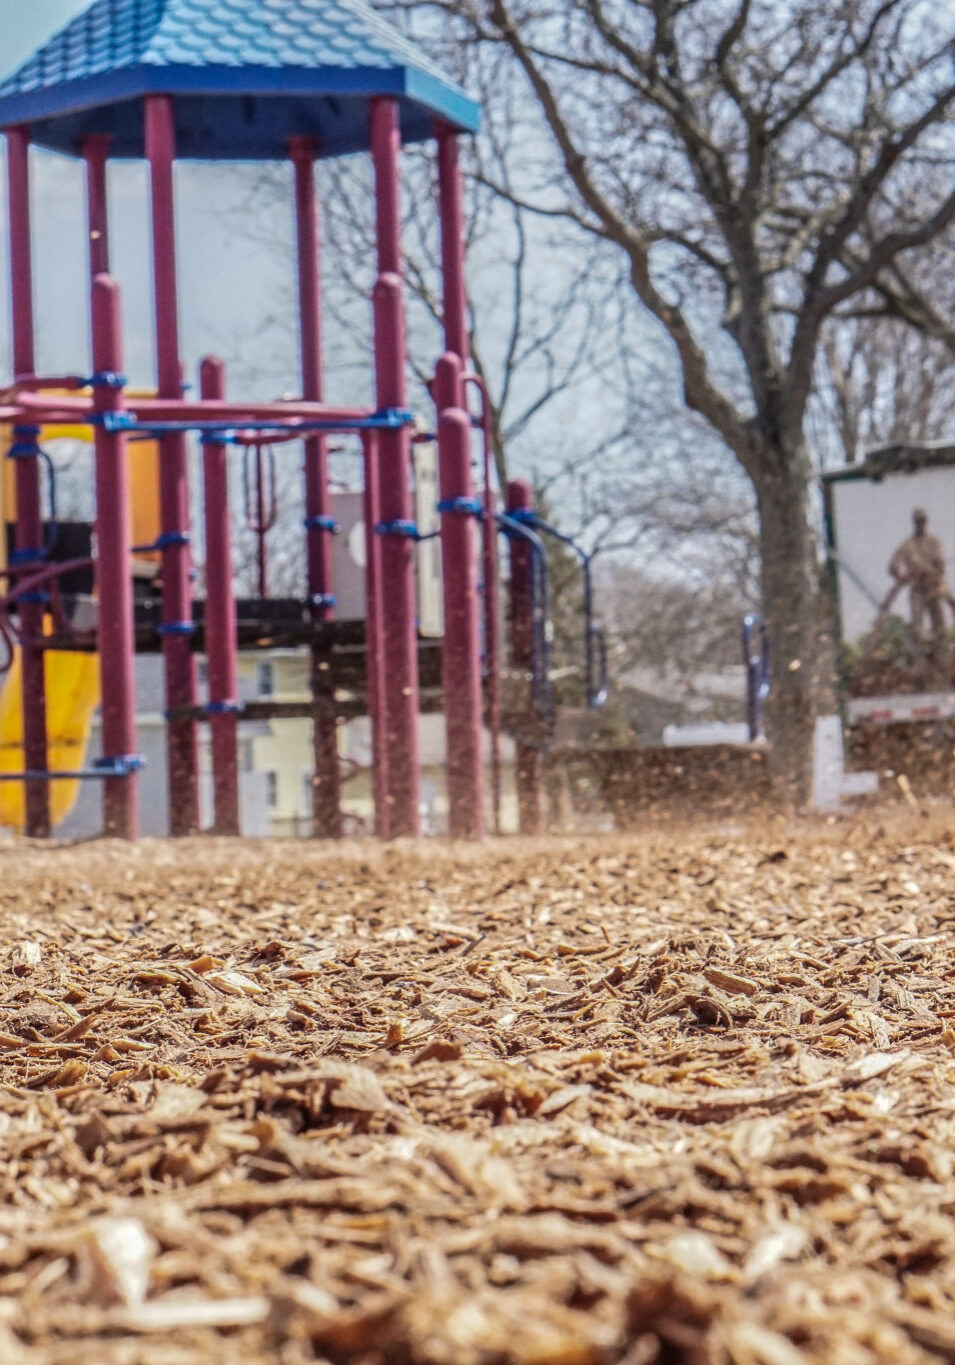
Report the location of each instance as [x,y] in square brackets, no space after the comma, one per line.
[72,695]
[72,680]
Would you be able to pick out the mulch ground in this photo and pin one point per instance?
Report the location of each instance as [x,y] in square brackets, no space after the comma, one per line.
[682,1097]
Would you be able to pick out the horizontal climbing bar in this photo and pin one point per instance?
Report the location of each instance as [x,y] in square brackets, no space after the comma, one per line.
[106,768]
[34,405]
[245,433]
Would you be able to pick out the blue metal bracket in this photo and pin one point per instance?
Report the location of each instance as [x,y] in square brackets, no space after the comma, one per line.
[465,507]
[322,599]
[119,765]
[115,422]
[328,524]
[398,527]
[526,516]
[168,539]
[176,628]
[105,379]
[223,708]
[28,555]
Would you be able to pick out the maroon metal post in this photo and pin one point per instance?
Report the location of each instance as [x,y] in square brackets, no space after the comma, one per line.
[114,583]
[530,763]
[492,633]
[374,639]
[29,535]
[177,625]
[452,242]
[461,655]
[96,155]
[262,520]
[326,806]
[397,548]
[72,407]
[462,661]
[220,615]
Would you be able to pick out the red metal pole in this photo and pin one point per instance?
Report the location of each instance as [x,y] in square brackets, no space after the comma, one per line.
[462,657]
[177,625]
[220,615]
[73,407]
[397,550]
[29,536]
[114,582]
[461,654]
[492,633]
[261,523]
[374,639]
[96,154]
[326,806]
[452,242]
[530,763]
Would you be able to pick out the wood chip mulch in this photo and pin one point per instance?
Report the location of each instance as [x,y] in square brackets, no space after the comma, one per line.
[682,1098]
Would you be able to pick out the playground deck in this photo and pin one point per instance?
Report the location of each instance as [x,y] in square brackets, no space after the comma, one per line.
[684,1097]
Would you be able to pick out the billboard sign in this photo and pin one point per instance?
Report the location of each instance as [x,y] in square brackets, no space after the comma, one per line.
[891,526]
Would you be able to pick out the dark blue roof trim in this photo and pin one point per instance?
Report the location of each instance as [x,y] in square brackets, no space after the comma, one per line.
[223,113]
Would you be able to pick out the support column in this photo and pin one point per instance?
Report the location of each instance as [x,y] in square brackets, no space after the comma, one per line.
[452,243]
[456,341]
[96,155]
[29,535]
[177,625]
[397,550]
[114,582]
[326,784]
[374,638]
[530,760]
[220,620]
[461,655]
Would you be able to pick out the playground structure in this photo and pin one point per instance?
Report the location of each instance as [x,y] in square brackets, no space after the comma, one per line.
[170,78]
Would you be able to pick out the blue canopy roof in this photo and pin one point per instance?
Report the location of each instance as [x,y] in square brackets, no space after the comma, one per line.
[246,74]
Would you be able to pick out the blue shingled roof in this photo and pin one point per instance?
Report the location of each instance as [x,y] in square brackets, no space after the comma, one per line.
[247,75]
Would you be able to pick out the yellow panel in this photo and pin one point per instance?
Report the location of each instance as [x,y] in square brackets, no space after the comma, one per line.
[72,690]
[143,459]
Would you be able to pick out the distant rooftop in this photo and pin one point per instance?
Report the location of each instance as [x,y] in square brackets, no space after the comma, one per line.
[247,75]
[900,457]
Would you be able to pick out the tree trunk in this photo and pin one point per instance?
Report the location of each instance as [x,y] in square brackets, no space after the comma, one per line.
[789,593]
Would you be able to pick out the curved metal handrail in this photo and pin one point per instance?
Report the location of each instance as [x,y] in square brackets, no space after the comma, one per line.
[758,672]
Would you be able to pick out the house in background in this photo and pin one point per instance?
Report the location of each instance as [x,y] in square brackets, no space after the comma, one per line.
[85,821]
[280,751]
[275,759]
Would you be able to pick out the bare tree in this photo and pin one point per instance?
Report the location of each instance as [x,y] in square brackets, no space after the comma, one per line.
[761,167]
[877,382]
[547,314]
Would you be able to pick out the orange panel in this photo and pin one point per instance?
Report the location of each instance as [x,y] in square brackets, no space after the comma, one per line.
[143,459]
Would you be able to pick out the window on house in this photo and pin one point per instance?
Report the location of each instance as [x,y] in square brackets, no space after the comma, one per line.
[271,790]
[266,679]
